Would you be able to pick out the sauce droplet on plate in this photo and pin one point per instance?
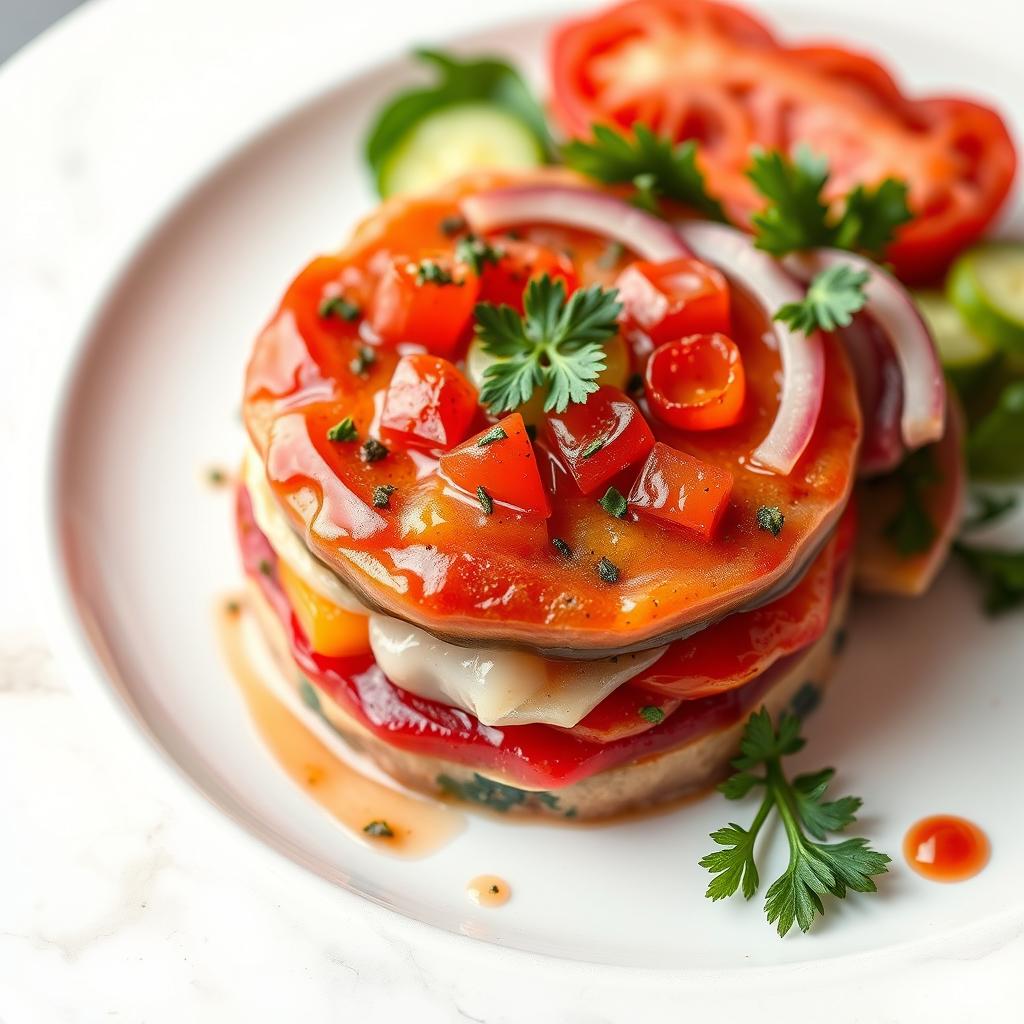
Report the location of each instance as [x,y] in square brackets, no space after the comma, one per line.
[488,891]
[945,848]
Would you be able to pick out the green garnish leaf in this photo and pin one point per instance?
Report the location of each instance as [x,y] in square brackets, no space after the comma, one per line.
[608,571]
[770,519]
[1000,572]
[431,272]
[379,830]
[371,450]
[486,501]
[990,508]
[665,169]
[815,869]
[452,225]
[593,447]
[831,300]
[555,344]
[614,503]
[364,358]
[458,82]
[477,253]
[797,217]
[382,495]
[345,430]
[561,547]
[496,433]
[995,447]
[652,714]
[911,531]
[341,307]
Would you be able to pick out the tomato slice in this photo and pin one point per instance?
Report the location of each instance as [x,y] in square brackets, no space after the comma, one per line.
[599,439]
[501,461]
[627,711]
[428,404]
[411,304]
[697,383]
[695,69]
[674,299]
[504,282]
[679,490]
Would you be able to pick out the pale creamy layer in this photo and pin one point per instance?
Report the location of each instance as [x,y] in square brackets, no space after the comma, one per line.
[497,685]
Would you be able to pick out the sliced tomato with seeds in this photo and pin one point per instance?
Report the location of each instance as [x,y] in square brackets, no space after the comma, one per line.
[503,282]
[501,461]
[428,404]
[599,439]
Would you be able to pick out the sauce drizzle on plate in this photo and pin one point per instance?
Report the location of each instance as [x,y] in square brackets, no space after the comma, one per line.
[945,848]
[488,891]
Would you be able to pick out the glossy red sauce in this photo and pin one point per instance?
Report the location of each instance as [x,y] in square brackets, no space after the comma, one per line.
[945,848]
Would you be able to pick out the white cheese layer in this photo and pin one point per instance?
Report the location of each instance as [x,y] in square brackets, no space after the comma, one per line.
[497,685]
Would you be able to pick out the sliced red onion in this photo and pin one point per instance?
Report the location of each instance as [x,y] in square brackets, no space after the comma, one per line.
[892,308]
[803,356]
[583,208]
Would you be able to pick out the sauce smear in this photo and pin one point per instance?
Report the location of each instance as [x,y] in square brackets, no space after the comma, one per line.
[386,819]
[945,848]
[488,891]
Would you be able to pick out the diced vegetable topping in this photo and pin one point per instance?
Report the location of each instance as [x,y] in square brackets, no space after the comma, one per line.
[332,631]
[671,300]
[598,440]
[679,490]
[343,430]
[503,281]
[504,470]
[428,404]
[697,383]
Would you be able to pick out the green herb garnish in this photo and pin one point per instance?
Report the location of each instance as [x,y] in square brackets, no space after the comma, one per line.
[431,272]
[593,447]
[371,450]
[831,300]
[911,531]
[797,217]
[477,253]
[666,169]
[613,502]
[608,571]
[363,359]
[815,868]
[652,714]
[486,501]
[990,508]
[379,830]
[264,567]
[561,547]
[1000,572]
[345,430]
[770,519]
[341,307]
[382,495]
[496,433]
[555,344]
[995,446]
[452,225]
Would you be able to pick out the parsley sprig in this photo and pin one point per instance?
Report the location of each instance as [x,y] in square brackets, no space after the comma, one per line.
[815,867]
[831,300]
[655,166]
[797,217]
[556,344]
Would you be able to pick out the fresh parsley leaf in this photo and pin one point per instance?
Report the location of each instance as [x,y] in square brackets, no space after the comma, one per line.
[770,519]
[815,868]
[608,571]
[665,169]
[591,448]
[496,433]
[477,253]
[431,272]
[345,430]
[341,307]
[651,713]
[831,300]
[382,495]
[990,508]
[556,344]
[614,503]
[371,450]
[379,830]
[797,217]
[488,81]
[1000,572]
[911,530]
[486,501]
[561,547]
[364,358]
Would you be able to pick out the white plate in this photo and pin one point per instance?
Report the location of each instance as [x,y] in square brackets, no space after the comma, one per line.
[922,717]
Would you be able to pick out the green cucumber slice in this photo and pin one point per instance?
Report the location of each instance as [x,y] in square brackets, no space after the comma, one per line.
[454,140]
[966,357]
[986,284]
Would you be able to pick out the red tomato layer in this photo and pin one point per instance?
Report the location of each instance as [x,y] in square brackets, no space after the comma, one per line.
[708,71]
[625,727]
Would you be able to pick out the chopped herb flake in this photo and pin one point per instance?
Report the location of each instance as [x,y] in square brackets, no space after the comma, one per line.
[496,433]
[652,714]
[477,253]
[265,567]
[770,519]
[486,502]
[339,306]
[363,360]
[609,259]
[594,446]
[452,225]
[372,450]
[431,272]
[614,503]
[382,495]
[561,547]
[345,430]
[608,571]
[216,476]
[379,829]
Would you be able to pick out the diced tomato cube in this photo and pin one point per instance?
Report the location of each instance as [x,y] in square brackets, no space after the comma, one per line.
[600,438]
[428,404]
[502,462]
[410,304]
[680,490]
[504,281]
[673,299]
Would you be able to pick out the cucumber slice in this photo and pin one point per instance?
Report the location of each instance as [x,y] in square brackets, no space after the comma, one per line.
[986,284]
[966,357]
[456,139]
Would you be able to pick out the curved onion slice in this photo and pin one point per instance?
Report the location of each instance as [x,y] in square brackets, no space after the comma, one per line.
[803,357]
[588,210]
[924,387]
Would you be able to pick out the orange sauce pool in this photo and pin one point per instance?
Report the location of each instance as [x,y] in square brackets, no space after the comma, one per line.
[945,848]
[488,891]
[386,819]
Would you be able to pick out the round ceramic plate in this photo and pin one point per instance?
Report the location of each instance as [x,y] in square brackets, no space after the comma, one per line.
[922,716]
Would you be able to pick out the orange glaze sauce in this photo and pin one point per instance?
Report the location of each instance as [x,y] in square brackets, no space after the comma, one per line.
[945,848]
[417,827]
[488,891]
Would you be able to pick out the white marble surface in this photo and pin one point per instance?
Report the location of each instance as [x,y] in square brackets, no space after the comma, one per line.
[122,897]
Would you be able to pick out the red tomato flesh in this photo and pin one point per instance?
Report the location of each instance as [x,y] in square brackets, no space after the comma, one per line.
[598,440]
[505,468]
[679,490]
[504,282]
[674,299]
[428,404]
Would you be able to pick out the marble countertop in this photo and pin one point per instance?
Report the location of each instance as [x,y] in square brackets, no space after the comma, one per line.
[121,896]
